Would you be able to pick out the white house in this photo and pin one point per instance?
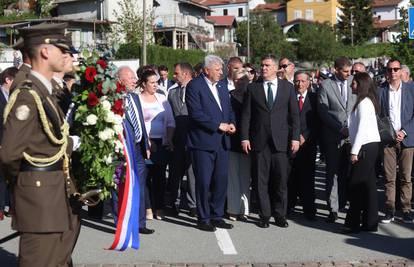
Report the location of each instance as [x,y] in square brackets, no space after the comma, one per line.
[236,8]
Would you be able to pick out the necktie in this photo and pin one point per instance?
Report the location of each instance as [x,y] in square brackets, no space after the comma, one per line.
[300,102]
[134,116]
[181,93]
[269,95]
[343,92]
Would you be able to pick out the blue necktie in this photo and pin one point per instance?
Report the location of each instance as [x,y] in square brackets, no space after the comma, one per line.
[269,95]
[134,116]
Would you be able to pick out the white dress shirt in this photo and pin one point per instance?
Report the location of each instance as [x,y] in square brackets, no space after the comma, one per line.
[274,88]
[230,85]
[395,107]
[214,91]
[303,96]
[5,93]
[362,124]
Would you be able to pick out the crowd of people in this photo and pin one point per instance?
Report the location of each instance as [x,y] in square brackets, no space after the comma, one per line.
[233,139]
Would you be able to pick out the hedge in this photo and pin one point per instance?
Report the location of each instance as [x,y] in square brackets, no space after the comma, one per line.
[160,55]
[367,50]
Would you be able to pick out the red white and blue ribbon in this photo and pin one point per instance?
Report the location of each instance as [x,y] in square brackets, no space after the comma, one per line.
[127,229]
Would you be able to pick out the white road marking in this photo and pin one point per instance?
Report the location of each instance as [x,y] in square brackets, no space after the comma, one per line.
[224,242]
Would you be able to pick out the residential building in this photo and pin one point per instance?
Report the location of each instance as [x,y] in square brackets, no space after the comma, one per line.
[313,10]
[181,24]
[236,8]
[277,10]
[386,17]
[224,33]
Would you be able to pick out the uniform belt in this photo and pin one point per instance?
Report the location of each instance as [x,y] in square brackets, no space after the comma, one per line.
[27,167]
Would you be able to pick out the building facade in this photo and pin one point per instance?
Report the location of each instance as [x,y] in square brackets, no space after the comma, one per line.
[313,10]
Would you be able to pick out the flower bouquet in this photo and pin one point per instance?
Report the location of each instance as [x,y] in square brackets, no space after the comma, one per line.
[99,161]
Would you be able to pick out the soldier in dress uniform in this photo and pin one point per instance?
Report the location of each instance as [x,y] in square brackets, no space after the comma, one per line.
[35,153]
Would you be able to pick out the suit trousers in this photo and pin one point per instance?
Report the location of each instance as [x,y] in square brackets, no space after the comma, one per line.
[302,179]
[337,167]
[272,178]
[181,165]
[156,178]
[362,190]
[50,249]
[238,190]
[210,170]
[403,157]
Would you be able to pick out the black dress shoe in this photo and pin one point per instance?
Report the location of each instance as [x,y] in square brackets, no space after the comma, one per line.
[193,212]
[332,217]
[263,224]
[146,231]
[281,222]
[242,218]
[204,226]
[221,224]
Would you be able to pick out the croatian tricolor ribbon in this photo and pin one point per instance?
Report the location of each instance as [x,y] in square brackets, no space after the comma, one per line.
[127,229]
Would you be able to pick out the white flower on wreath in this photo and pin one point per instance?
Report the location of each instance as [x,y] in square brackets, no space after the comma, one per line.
[91,119]
[118,146]
[108,159]
[117,119]
[106,105]
[110,117]
[106,134]
[118,128]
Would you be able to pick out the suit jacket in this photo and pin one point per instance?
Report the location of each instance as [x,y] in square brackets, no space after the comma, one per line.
[144,144]
[206,116]
[309,121]
[332,110]
[259,124]
[3,103]
[40,201]
[180,111]
[169,83]
[407,109]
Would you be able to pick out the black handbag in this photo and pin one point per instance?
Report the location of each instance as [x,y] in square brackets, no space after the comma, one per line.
[386,131]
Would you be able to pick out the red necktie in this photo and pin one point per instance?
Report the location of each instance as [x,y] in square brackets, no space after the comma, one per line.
[300,102]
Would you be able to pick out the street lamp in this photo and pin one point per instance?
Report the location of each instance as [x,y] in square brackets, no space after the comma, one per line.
[144,35]
[248,31]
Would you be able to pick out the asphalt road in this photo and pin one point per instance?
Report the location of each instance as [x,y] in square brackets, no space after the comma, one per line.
[177,241]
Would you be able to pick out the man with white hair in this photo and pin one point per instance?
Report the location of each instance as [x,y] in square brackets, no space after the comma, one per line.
[405,74]
[211,120]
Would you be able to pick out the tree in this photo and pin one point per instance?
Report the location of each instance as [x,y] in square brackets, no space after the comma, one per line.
[266,37]
[361,13]
[316,43]
[130,23]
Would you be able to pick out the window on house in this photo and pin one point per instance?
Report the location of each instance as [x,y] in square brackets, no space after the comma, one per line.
[297,14]
[309,14]
[225,12]
[240,12]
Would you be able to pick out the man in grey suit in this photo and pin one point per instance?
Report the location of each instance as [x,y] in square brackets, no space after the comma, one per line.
[181,162]
[335,103]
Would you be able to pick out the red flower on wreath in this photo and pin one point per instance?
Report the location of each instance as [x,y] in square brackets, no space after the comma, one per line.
[93,100]
[117,108]
[102,63]
[99,88]
[90,74]
[120,88]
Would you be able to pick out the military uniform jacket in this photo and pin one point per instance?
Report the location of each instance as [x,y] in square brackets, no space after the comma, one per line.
[21,76]
[41,203]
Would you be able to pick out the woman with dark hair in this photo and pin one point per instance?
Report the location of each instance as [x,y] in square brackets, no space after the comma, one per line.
[251,72]
[365,138]
[160,125]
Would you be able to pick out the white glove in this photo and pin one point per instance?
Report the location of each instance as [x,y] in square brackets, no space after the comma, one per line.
[76,142]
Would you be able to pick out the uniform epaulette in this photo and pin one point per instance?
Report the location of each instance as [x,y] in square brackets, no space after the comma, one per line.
[25,84]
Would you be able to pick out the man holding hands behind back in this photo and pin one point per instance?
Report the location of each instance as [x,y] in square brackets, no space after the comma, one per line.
[211,120]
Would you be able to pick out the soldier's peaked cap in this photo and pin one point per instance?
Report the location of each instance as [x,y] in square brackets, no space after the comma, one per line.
[45,33]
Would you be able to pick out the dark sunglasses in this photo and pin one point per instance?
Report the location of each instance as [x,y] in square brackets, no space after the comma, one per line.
[252,71]
[393,69]
[354,72]
[284,66]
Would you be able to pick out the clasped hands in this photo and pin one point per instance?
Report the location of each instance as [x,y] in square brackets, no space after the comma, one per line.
[227,128]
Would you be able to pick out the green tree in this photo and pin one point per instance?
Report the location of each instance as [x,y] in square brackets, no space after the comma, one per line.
[130,23]
[316,43]
[361,13]
[266,37]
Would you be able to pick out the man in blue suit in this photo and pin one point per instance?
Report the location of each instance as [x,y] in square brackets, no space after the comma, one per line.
[397,102]
[211,120]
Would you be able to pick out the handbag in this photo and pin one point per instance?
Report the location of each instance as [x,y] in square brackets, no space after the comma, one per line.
[385,129]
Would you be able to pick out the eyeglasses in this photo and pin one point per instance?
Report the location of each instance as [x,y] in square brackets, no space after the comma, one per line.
[251,71]
[355,72]
[393,69]
[284,66]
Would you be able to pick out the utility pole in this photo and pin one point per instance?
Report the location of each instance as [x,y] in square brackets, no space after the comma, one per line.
[144,35]
[248,31]
[352,29]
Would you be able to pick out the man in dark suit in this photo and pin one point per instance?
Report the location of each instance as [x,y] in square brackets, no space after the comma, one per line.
[6,79]
[302,177]
[397,102]
[270,127]
[211,119]
[335,103]
[164,83]
[181,161]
